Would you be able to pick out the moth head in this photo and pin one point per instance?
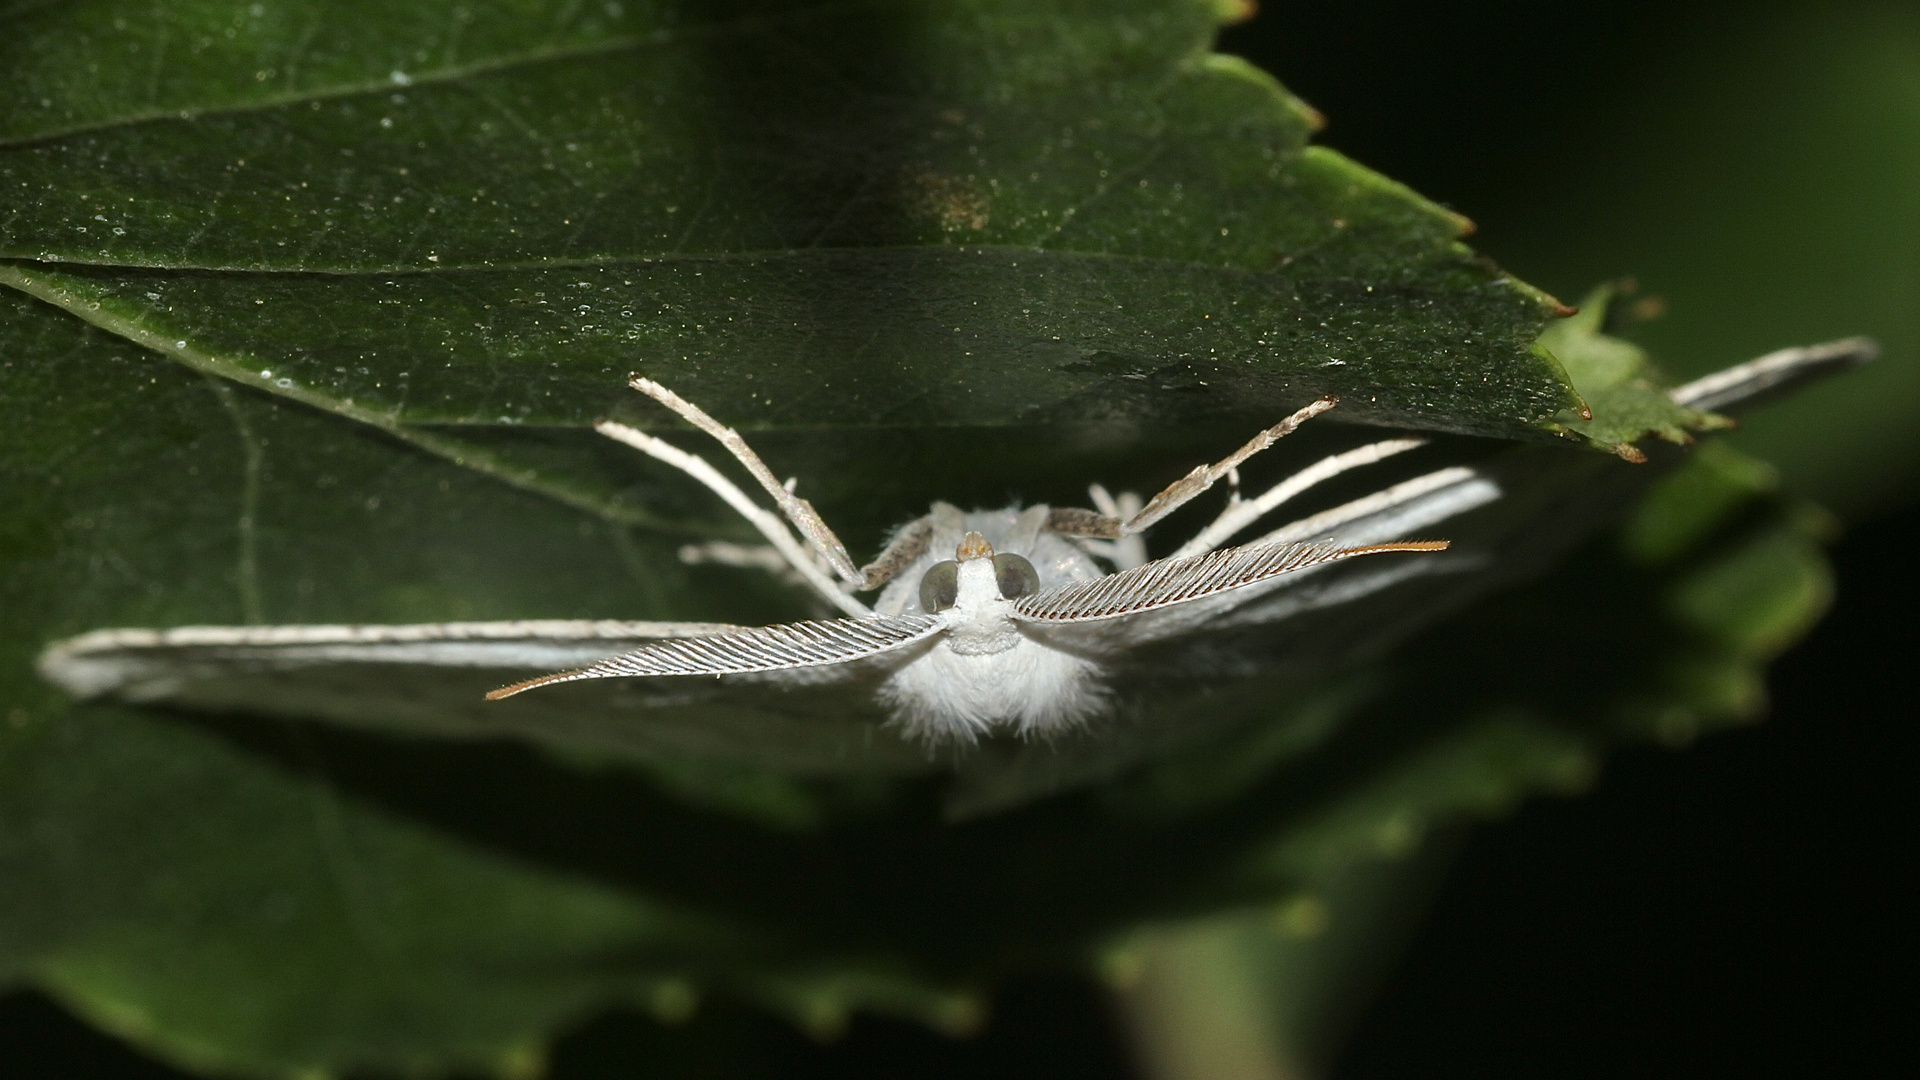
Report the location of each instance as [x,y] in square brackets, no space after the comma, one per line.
[973,546]
[978,575]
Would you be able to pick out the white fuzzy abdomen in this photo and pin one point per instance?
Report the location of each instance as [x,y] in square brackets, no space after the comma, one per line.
[1030,688]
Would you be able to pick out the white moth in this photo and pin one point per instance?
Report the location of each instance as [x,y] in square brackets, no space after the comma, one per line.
[992,619]
[985,621]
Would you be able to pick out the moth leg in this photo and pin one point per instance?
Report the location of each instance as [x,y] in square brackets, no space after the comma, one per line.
[743,556]
[1102,532]
[769,523]
[1392,512]
[1118,520]
[1185,489]
[1084,524]
[1129,549]
[907,545]
[1241,513]
[798,510]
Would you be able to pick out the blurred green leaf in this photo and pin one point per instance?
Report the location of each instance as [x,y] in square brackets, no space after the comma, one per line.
[1756,176]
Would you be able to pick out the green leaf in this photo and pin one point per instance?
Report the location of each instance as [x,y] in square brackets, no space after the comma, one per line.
[328,368]
[1625,397]
[335,931]
[796,215]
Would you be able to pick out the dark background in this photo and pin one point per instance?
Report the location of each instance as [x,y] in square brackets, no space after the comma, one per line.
[1733,909]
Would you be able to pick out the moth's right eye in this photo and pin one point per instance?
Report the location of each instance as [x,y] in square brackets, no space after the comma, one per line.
[1015,576]
[941,587]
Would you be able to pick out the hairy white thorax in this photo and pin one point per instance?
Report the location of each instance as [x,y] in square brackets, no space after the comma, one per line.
[987,670]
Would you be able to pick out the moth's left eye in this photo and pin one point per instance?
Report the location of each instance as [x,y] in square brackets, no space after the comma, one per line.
[940,587]
[1016,576]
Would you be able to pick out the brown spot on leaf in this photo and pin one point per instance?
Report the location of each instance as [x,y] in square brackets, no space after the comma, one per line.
[957,204]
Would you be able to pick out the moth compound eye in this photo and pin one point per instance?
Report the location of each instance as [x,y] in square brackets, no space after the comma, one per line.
[941,587]
[1016,576]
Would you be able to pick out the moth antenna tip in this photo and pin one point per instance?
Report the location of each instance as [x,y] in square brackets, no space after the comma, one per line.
[527,684]
[1402,545]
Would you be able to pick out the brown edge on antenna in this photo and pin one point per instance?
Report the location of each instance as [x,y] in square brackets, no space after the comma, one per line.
[528,684]
[1400,545]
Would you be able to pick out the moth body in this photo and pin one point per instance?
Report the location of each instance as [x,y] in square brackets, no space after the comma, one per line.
[988,669]
[1028,686]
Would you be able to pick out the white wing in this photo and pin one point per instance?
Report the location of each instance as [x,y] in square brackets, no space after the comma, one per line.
[782,647]
[430,679]
[147,665]
[1763,377]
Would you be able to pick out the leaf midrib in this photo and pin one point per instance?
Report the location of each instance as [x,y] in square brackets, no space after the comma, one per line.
[601,262]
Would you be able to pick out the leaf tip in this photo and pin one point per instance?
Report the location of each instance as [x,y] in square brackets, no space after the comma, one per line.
[1236,11]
